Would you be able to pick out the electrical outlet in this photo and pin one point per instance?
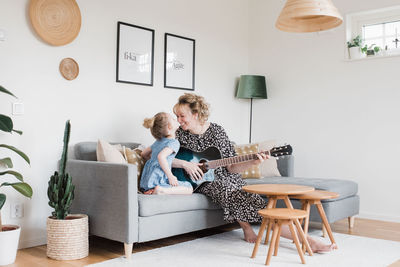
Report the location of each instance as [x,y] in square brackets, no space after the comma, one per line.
[17,210]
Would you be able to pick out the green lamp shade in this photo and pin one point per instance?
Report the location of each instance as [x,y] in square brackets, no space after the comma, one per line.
[252,86]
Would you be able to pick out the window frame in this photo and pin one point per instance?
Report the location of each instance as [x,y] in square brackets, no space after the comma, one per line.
[356,21]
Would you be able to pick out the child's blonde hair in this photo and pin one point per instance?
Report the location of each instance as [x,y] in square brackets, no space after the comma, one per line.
[158,125]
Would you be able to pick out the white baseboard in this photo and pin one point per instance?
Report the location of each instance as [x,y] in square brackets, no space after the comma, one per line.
[28,243]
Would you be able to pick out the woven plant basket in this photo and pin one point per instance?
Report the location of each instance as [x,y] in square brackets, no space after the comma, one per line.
[68,239]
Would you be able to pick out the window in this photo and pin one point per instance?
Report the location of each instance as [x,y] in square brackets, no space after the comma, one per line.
[384,35]
[380,27]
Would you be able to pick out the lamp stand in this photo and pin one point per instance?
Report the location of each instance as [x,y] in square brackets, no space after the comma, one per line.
[251,116]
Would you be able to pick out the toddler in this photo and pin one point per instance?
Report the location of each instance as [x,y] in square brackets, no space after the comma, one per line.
[157,177]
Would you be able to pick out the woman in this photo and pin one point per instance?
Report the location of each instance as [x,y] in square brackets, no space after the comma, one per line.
[197,134]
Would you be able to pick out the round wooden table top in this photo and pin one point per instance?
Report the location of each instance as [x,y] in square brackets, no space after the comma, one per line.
[277,189]
[317,195]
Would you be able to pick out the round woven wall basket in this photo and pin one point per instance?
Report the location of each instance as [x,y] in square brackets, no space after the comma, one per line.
[69,68]
[68,239]
[57,22]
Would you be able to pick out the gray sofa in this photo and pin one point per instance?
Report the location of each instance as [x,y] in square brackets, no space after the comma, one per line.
[107,193]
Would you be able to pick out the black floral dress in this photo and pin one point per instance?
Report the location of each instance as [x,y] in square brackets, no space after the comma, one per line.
[226,189]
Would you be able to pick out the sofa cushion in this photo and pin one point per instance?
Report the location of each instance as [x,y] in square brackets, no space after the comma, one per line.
[253,171]
[269,167]
[150,205]
[106,152]
[87,150]
[345,188]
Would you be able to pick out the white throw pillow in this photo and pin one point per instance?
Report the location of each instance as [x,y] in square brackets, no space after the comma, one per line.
[269,167]
[110,153]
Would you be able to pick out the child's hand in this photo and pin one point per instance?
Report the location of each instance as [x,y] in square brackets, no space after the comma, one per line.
[173,180]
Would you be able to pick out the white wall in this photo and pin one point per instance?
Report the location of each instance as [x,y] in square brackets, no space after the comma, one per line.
[98,106]
[341,117]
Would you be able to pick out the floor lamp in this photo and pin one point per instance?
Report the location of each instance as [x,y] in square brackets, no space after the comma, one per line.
[252,86]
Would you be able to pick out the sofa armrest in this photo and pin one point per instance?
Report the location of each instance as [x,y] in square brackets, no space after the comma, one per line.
[107,193]
[286,166]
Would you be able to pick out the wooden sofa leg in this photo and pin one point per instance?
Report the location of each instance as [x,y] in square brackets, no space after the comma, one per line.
[351,221]
[128,250]
[324,231]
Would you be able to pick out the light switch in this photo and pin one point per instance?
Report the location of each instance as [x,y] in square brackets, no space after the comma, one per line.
[18,108]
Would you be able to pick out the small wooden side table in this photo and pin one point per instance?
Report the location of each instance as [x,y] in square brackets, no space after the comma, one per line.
[275,192]
[282,217]
[315,198]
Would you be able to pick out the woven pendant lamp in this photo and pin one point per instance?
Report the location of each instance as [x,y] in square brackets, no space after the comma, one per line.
[308,16]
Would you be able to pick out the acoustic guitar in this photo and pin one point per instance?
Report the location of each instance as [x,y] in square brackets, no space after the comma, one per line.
[211,159]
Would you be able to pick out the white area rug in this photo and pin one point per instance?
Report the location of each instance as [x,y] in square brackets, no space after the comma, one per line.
[228,249]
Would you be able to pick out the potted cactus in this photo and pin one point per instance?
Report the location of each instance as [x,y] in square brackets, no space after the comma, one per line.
[9,234]
[67,234]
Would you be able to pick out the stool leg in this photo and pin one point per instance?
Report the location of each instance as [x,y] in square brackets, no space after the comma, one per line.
[303,207]
[325,221]
[259,237]
[271,204]
[270,224]
[306,222]
[271,246]
[296,241]
[303,237]
[324,231]
[279,226]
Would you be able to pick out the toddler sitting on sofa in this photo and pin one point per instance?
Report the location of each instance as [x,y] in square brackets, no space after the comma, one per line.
[157,177]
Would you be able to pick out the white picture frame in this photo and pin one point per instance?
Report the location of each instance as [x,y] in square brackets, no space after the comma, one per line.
[135,54]
[179,62]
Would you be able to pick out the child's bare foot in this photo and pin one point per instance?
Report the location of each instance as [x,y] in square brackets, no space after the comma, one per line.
[319,247]
[158,190]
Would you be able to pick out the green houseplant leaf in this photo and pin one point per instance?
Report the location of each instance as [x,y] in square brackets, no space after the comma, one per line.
[24,188]
[2,201]
[4,90]
[6,163]
[6,124]
[16,174]
[19,152]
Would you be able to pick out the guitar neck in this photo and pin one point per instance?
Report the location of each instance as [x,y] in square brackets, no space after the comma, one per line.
[213,164]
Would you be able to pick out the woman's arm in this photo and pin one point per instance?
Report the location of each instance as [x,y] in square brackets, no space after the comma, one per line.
[191,168]
[241,167]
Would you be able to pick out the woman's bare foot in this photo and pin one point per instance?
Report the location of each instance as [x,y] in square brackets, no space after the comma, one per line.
[318,247]
[249,234]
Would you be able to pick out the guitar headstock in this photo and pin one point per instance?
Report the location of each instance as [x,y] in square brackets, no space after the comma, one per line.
[281,151]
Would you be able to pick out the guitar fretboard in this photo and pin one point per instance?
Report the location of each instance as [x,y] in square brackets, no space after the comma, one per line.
[213,164]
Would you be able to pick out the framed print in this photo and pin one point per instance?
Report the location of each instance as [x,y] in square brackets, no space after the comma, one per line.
[179,59]
[135,54]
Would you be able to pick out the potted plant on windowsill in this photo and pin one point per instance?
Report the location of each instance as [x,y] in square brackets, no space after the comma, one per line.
[354,48]
[371,50]
[9,234]
[67,234]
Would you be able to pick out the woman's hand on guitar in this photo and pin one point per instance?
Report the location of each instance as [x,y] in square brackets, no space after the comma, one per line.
[261,158]
[193,170]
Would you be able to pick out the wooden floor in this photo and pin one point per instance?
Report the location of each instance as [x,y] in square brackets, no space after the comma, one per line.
[102,249]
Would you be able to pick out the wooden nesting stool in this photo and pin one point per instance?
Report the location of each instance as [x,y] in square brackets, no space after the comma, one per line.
[315,198]
[281,217]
